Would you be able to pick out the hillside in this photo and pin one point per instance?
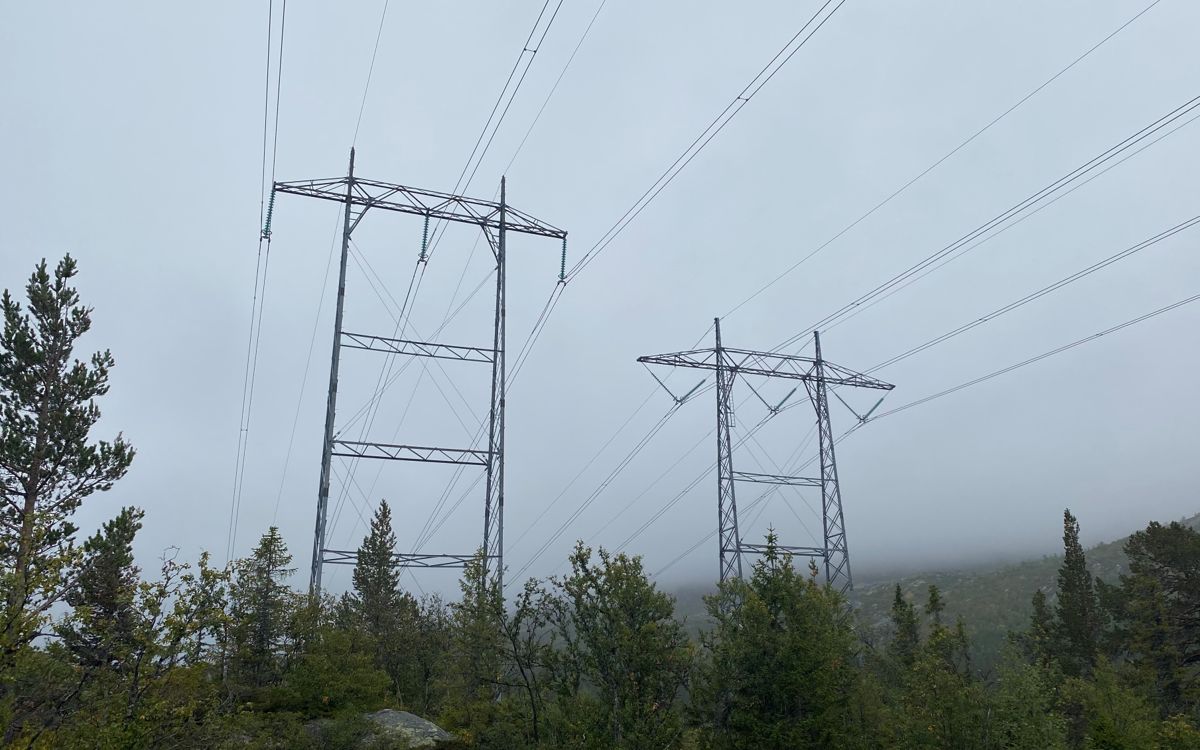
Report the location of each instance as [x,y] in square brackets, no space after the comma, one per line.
[992,601]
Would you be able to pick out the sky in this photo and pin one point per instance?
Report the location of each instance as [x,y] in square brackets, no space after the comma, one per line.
[132,137]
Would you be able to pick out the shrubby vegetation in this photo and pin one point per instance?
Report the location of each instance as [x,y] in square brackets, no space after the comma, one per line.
[98,653]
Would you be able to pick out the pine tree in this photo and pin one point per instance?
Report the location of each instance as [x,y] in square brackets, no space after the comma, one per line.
[1077,621]
[47,464]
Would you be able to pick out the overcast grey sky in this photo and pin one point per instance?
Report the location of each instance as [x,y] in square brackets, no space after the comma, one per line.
[131,137]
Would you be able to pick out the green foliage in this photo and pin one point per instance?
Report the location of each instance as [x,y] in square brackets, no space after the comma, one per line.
[332,676]
[391,619]
[1024,705]
[1077,622]
[1037,643]
[1155,610]
[1107,715]
[99,632]
[778,668]
[261,606]
[938,702]
[906,631]
[48,467]
[623,659]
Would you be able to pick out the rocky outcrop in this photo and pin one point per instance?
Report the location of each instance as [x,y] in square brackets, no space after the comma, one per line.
[400,728]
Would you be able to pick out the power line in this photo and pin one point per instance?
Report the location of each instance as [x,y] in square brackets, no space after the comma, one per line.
[1017,209]
[583,37]
[261,268]
[312,341]
[718,124]
[579,474]
[1032,296]
[599,490]
[1038,358]
[1001,230]
[787,271]
[764,76]
[682,493]
[370,72]
[480,149]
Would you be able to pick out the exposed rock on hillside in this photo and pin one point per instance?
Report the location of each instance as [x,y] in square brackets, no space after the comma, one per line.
[407,730]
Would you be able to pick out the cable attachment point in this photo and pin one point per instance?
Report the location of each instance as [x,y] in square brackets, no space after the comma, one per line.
[266,230]
[862,418]
[424,241]
[679,400]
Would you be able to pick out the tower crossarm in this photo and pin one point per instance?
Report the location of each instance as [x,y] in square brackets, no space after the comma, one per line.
[388,196]
[417,348]
[356,449]
[759,549]
[402,560]
[779,479]
[768,364]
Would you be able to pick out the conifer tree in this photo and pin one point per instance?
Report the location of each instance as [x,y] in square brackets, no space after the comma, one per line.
[101,631]
[389,615]
[778,666]
[48,467]
[935,605]
[376,578]
[261,604]
[1037,643]
[1077,622]
[1158,615]
[906,635]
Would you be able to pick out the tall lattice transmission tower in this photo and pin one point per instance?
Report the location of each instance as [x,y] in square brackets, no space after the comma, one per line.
[818,376]
[495,220]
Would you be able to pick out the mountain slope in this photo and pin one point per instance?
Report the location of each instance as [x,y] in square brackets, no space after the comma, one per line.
[992,601]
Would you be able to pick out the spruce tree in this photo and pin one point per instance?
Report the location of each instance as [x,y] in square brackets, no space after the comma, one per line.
[1077,622]
[1158,617]
[261,605]
[390,616]
[376,578]
[777,668]
[1038,642]
[102,629]
[906,631]
[935,605]
[48,466]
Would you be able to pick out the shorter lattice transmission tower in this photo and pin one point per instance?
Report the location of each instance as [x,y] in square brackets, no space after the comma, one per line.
[495,220]
[817,375]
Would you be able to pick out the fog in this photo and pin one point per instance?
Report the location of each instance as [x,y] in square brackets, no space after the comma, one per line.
[133,138]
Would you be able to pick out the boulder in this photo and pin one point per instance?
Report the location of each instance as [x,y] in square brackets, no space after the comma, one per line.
[410,729]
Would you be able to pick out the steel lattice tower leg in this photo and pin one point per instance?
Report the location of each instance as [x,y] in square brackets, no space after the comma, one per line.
[727,524]
[493,509]
[314,581]
[837,552]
